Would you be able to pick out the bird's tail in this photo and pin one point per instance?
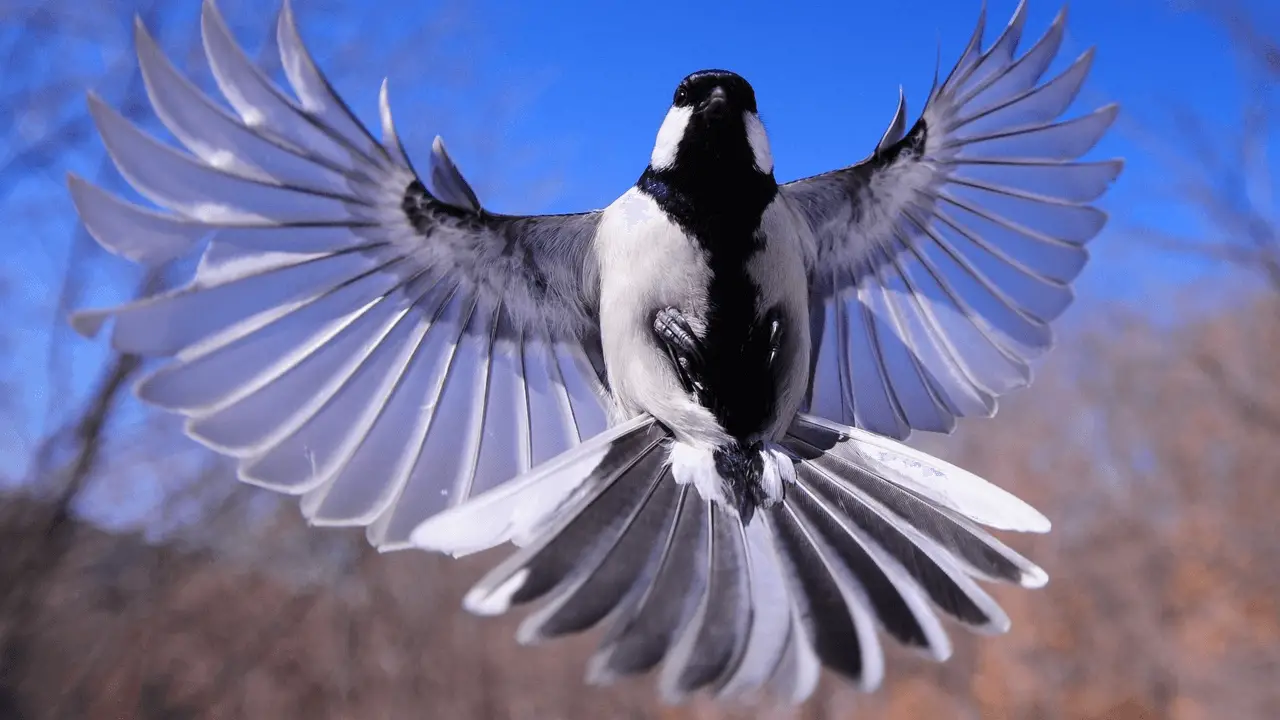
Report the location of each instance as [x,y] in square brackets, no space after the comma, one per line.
[870,535]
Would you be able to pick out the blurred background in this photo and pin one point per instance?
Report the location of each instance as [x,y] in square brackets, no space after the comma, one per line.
[139,580]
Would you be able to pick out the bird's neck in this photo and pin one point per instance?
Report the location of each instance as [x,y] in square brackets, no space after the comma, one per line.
[715,195]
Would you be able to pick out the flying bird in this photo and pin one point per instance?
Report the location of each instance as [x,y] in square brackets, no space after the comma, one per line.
[684,410]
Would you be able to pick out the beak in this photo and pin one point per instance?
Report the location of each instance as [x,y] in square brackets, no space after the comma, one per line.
[717,105]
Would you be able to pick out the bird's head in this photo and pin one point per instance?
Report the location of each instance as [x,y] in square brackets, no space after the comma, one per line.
[713,125]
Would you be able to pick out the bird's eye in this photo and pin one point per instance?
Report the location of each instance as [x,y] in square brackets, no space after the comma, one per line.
[681,95]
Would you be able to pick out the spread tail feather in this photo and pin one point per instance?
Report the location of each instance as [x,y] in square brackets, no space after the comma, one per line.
[628,531]
[873,526]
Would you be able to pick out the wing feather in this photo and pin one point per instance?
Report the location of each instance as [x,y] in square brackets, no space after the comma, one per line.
[941,260]
[350,336]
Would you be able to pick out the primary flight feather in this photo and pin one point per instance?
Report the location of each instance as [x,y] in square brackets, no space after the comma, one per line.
[684,409]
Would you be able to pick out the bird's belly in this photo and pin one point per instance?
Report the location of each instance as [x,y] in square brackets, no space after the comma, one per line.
[647,263]
[650,265]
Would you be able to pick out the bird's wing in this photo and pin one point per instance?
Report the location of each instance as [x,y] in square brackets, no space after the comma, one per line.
[381,349]
[941,259]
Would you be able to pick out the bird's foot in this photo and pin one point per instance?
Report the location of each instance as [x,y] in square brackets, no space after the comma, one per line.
[773,321]
[682,346]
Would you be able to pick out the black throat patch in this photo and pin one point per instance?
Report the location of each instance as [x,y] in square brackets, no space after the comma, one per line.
[717,196]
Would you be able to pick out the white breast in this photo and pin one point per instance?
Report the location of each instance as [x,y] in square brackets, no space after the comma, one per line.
[646,263]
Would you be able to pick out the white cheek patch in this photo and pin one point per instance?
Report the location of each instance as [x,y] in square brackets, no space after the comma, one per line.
[759,142]
[669,135]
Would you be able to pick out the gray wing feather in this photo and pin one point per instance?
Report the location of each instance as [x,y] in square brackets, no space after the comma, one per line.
[655,616]
[771,617]
[941,259]
[833,613]
[712,645]
[599,585]
[381,348]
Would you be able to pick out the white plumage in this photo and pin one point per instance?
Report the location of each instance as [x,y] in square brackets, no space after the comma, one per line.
[669,134]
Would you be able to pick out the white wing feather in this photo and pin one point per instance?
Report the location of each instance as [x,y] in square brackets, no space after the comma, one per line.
[379,349]
[942,258]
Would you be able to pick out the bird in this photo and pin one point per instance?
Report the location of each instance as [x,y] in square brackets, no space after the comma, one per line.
[684,414]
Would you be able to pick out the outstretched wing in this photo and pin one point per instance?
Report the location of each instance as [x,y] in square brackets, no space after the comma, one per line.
[942,258]
[381,349]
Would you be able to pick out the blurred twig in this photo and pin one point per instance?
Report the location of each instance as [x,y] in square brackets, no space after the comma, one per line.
[1253,408]
[1231,188]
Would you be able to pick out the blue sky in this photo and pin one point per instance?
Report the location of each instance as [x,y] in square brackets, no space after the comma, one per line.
[598,77]
[554,106]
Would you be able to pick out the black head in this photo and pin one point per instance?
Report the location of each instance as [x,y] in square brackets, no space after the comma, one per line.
[713,94]
[713,126]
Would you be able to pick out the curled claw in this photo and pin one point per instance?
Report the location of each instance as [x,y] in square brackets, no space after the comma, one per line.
[682,346]
[774,319]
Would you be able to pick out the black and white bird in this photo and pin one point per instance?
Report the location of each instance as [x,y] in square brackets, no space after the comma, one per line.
[685,410]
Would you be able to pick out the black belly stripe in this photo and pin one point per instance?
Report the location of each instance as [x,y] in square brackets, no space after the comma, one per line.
[722,211]
[741,387]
